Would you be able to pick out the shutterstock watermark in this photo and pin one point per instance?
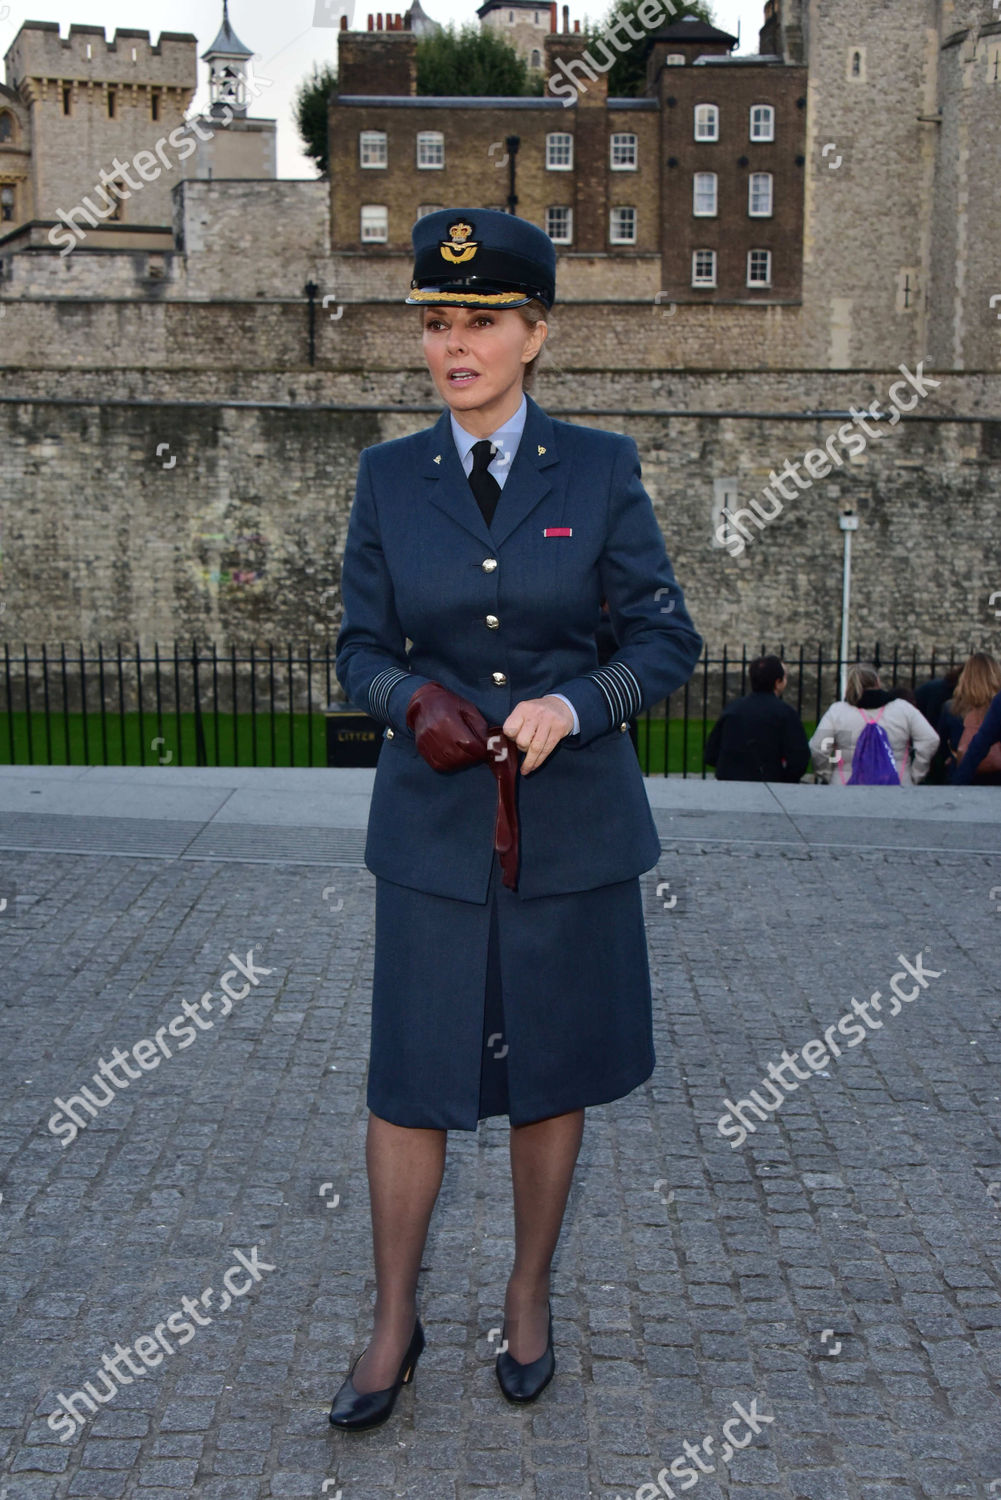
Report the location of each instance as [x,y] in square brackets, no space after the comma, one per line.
[67,1420]
[736,1127]
[733,532]
[183,1028]
[116,186]
[650,12]
[689,1465]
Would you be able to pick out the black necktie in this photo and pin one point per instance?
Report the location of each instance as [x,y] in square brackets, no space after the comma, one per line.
[482,483]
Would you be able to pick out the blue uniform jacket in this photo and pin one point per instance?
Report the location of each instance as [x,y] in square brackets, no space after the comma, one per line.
[499,614]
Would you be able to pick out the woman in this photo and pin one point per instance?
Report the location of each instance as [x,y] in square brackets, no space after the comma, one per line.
[985,742]
[510,972]
[835,737]
[979,684]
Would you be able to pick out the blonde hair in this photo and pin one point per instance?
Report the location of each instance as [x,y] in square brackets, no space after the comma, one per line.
[532,312]
[979,682]
[862,675]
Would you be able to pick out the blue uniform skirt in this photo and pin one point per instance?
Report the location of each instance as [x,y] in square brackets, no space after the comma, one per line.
[507,1007]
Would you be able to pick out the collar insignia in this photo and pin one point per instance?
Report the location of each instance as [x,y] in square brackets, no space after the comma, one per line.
[437,458]
[541,449]
[456,249]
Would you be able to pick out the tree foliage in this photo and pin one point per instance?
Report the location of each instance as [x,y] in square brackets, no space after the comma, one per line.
[311,107]
[472,60]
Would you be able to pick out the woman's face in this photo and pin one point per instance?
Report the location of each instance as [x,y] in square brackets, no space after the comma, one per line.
[494,345]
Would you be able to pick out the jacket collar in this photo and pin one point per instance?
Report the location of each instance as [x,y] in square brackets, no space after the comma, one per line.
[524,487]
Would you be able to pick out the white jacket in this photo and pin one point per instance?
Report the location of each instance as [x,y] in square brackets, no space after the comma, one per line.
[912,740]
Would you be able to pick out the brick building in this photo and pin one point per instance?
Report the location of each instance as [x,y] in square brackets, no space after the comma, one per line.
[693,192]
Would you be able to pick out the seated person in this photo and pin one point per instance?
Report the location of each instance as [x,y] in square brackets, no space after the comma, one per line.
[759,738]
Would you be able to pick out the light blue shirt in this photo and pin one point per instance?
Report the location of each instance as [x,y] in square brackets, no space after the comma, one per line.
[506,439]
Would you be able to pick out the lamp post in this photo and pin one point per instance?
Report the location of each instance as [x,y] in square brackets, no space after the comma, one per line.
[512,142]
[848,521]
[311,290]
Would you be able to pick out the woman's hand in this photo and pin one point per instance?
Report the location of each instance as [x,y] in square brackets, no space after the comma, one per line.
[537,725]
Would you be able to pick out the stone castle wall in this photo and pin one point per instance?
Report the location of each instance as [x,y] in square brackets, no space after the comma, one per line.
[158,510]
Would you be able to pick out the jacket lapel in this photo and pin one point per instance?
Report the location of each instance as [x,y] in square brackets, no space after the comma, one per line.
[447,486]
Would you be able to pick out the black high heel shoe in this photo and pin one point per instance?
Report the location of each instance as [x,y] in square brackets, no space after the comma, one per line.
[524,1382]
[359,1409]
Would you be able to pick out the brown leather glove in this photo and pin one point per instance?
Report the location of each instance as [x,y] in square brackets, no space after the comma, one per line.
[451,732]
[504,764]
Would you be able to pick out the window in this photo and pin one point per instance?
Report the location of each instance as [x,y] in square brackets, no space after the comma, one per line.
[117,186]
[372,150]
[762,122]
[559,151]
[856,65]
[759,268]
[704,195]
[67,99]
[154,106]
[703,268]
[623,152]
[536,59]
[374,223]
[706,122]
[430,149]
[7,205]
[428,208]
[675,60]
[112,103]
[559,224]
[759,195]
[6,126]
[622,226]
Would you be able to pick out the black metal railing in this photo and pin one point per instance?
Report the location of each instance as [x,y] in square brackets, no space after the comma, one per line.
[266,706]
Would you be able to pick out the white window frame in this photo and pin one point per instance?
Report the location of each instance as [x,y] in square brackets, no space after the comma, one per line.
[623,141]
[567,237]
[373,211]
[423,209]
[704,278]
[757,178]
[675,60]
[705,122]
[558,142]
[430,144]
[615,236]
[704,178]
[371,145]
[763,129]
[759,282]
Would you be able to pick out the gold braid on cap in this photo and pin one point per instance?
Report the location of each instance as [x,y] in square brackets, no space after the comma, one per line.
[488,297]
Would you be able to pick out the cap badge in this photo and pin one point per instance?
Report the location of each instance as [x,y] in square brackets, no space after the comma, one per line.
[455,249]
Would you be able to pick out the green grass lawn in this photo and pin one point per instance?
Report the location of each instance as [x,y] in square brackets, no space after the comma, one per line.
[121,740]
[79,740]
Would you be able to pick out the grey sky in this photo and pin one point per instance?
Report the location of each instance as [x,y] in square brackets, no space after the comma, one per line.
[287,42]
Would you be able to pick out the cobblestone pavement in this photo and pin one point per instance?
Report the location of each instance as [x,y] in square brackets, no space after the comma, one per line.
[834,1277]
